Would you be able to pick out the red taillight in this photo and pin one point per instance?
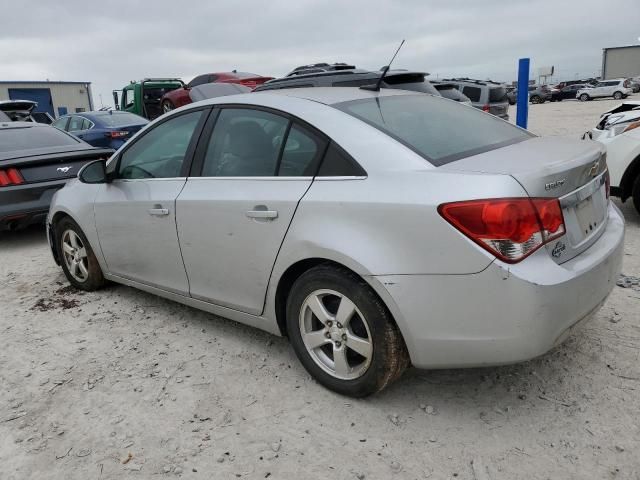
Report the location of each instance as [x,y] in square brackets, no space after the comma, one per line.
[509,228]
[117,134]
[486,108]
[9,177]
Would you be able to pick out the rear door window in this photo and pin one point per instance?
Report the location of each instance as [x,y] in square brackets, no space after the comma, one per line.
[301,153]
[75,124]
[497,95]
[472,92]
[245,143]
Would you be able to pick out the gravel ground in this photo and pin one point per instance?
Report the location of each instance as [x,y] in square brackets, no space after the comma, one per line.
[122,384]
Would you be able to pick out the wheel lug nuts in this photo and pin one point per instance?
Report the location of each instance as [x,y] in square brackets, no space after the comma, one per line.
[338,344]
[327,334]
[329,323]
[339,325]
[344,337]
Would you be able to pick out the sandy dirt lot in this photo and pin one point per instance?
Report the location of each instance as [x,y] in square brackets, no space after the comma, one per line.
[122,384]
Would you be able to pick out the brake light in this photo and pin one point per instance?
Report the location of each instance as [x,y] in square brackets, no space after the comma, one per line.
[486,108]
[10,177]
[509,228]
[117,134]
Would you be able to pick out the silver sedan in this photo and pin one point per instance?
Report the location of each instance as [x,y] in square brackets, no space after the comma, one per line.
[375,229]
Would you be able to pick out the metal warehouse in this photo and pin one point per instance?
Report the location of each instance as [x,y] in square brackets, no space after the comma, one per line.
[620,62]
[56,98]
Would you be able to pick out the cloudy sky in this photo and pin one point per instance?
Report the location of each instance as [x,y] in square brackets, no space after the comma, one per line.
[111,43]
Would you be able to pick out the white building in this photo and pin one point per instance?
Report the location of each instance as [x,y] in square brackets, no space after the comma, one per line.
[56,98]
[620,62]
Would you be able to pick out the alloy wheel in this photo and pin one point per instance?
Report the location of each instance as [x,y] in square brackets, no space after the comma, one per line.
[75,255]
[336,334]
[166,107]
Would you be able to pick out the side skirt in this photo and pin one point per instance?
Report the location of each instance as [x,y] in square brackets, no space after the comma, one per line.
[261,323]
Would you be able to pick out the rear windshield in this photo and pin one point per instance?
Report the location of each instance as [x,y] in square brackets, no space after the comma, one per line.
[439,130]
[497,94]
[121,119]
[13,139]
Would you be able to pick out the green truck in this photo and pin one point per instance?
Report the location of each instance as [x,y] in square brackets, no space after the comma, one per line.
[143,98]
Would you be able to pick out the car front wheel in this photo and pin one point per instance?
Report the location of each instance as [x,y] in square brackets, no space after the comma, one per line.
[584,97]
[536,99]
[617,95]
[342,333]
[78,261]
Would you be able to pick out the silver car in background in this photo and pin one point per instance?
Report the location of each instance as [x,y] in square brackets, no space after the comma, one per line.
[374,229]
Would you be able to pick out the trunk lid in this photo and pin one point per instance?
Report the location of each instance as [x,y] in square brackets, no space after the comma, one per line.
[571,170]
[54,166]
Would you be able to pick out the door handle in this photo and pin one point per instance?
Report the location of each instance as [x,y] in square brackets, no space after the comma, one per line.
[268,214]
[159,212]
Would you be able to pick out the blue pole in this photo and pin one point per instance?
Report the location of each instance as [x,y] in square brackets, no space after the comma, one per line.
[522,111]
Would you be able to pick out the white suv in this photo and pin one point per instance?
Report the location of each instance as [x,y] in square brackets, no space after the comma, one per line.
[617,88]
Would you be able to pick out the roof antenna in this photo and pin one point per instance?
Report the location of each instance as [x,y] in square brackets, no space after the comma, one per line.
[376,87]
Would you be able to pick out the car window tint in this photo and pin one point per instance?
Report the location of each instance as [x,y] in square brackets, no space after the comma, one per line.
[27,138]
[61,123]
[128,98]
[199,80]
[75,124]
[86,124]
[336,163]
[439,130]
[300,153]
[244,143]
[497,94]
[160,152]
[472,92]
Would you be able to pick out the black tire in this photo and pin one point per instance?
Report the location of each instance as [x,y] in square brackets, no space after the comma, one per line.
[536,99]
[167,106]
[617,95]
[635,193]
[389,357]
[584,97]
[95,279]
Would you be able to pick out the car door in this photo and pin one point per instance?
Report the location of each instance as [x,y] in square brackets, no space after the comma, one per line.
[135,212]
[233,214]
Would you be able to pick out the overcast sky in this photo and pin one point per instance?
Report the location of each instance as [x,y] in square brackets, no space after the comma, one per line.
[111,43]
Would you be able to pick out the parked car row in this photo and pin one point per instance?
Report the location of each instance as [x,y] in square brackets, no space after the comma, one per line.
[616,88]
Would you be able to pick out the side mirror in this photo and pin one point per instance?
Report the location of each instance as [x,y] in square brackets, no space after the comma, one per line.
[94,172]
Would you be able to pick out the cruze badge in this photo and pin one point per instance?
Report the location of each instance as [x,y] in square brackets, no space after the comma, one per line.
[552,185]
[558,249]
[64,169]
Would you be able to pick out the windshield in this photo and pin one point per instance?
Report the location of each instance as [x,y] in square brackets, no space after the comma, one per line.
[121,119]
[27,138]
[439,130]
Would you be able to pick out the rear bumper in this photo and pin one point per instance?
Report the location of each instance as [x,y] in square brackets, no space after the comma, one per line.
[506,313]
[24,205]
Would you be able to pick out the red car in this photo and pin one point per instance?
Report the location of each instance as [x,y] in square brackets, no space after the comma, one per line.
[180,97]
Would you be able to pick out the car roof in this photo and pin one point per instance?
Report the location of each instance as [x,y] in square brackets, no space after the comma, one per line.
[324,95]
[361,73]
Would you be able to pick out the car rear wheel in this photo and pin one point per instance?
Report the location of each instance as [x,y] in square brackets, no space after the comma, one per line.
[342,333]
[78,261]
[167,106]
[617,95]
[536,99]
[584,97]
[635,193]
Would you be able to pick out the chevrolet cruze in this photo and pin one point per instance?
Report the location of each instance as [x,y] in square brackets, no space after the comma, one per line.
[374,229]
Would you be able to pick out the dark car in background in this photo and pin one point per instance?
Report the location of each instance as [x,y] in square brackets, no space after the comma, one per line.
[486,95]
[107,129]
[327,75]
[567,92]
[35,161]
[180,96]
